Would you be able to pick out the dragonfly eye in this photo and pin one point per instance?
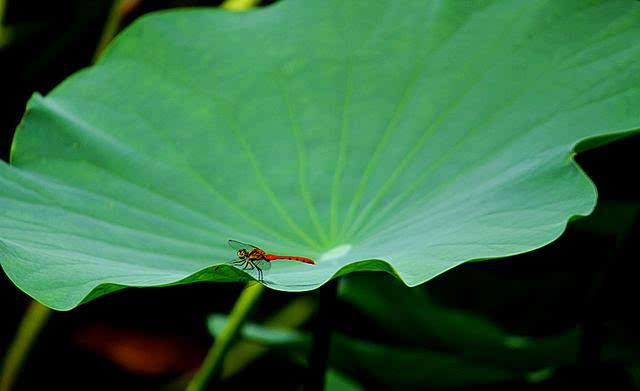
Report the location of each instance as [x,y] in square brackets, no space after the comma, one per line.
[242,254]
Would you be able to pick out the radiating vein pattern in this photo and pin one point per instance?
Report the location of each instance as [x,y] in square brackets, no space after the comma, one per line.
[407,136]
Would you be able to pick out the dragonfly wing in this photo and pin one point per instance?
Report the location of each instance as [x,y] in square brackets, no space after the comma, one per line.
[262,264]
[239,245]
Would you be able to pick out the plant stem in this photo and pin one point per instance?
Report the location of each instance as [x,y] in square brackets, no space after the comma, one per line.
[319,356]
[212,365]
[297,312]
[4,32]
[243,352]
[3,7]
[239,4]
[119,9]
[30,326]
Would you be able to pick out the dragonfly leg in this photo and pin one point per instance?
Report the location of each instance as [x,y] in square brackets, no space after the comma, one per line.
[258,269]
[260,279]
[237,261]
[247,264]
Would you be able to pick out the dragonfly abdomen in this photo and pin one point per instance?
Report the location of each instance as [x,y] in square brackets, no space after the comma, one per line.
[271,257]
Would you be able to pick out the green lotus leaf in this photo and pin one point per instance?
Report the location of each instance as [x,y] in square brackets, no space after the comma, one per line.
[405,136]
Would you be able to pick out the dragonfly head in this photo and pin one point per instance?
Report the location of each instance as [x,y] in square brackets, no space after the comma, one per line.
[242,253]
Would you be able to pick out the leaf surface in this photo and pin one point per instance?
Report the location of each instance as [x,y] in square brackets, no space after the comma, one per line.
[406,136]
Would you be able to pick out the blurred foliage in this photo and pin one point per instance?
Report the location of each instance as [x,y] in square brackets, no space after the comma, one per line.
[391,366]
[427,345]
[610,218]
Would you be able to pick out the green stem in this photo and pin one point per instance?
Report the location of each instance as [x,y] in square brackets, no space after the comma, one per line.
[32,323]
[4,32]
[294,314]
[239,4]
[212,365]
[3,7]
[320,345]
[119,9]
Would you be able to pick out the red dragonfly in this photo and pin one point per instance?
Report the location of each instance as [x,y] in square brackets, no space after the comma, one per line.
[251,257]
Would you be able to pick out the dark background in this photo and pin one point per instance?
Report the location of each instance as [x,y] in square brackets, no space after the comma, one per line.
[586,277]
